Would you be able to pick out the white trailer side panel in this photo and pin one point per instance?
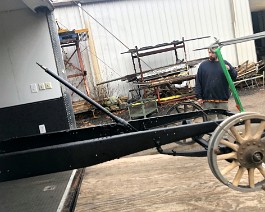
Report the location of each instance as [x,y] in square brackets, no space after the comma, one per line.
[25,40]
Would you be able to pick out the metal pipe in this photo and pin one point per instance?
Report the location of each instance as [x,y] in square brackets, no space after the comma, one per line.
[229,80]
[91,101]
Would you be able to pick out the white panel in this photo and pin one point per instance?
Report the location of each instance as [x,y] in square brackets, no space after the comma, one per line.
[150,22]
[25,40]
[243,27]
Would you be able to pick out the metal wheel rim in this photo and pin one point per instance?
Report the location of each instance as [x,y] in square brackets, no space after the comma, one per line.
[217,137]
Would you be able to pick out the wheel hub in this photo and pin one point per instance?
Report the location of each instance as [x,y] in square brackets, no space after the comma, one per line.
[251,154]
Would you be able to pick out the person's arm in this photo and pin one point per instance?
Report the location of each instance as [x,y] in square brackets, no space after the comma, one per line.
[231,70]
[198,86]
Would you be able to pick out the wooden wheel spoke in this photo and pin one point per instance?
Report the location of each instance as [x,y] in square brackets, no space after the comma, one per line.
[238,176]
[230,167]
[260,130]
[231,155]
[261,170]
[248,133]
[251,177]
[238,137]
[230,145]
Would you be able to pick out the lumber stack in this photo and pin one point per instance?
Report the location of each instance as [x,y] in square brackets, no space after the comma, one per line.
[82,106]
[249,72]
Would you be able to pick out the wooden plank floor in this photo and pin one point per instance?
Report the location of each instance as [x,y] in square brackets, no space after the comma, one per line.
[160,183]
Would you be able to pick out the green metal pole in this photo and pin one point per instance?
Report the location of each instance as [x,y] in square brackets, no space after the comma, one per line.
[229,80]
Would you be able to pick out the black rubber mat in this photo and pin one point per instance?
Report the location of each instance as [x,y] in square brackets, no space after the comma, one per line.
[42,193]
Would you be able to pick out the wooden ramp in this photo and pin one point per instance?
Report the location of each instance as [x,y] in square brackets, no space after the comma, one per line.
[160,183]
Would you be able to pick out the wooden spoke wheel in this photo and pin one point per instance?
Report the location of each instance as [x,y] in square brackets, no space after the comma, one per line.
[184,107]
[236,152]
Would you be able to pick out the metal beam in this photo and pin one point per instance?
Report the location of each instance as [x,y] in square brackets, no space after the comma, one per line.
[79,154]
[235,41]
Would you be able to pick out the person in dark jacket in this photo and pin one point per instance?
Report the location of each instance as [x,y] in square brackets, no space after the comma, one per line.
[212,88]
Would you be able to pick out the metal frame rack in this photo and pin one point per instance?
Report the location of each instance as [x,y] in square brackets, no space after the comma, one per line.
[72,38]
[162,76]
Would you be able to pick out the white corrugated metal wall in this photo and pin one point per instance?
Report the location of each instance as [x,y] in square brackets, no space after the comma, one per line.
[150,22]
[243,26]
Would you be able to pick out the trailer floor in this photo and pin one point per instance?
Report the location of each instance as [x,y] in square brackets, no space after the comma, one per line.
[42,193]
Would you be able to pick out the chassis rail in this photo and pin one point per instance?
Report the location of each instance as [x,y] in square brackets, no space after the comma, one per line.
[73,149]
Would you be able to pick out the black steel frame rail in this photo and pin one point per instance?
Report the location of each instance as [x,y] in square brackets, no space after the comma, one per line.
[82,153]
